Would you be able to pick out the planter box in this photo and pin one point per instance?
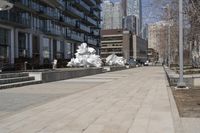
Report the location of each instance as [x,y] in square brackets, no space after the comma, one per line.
[117,68]
[63,74]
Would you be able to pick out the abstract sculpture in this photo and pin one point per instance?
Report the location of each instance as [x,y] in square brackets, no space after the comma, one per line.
[85,57]
[115,60]
[5,5]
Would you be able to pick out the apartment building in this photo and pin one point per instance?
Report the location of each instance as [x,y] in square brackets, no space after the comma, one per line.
[39,31]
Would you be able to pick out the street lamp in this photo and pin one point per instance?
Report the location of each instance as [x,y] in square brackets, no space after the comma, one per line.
[5,5]
[181,83]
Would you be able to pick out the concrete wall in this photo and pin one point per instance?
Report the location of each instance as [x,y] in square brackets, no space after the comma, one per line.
[50,76]
[117,68]
[190,80]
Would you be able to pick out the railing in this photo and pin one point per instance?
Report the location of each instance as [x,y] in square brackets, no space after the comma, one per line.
[77,37]
[70,21]
[93,2]
[84,5]
[98,7]
[96,14]
[92,41]
[91,21]
[75,11]
[85,28]
[14,18]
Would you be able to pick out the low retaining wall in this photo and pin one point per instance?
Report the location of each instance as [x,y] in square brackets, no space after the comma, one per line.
[174,80]
[190,80]
[56,75]
[117,68]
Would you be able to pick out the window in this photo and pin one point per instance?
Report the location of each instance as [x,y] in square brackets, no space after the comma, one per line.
[59,49]
[4,45]
[46,48]
[22,50]
[68,51]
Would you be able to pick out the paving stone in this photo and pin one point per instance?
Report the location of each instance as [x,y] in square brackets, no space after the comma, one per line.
[129,101]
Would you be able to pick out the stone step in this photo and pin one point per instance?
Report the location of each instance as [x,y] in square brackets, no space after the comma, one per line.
[19,84]
[13,75]
[16,79]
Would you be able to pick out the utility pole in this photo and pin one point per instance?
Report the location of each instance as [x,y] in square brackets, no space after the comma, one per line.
[181,83]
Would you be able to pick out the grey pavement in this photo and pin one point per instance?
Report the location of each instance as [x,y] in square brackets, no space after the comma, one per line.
[129,101]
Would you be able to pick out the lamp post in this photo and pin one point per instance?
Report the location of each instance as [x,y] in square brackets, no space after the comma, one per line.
[181,83]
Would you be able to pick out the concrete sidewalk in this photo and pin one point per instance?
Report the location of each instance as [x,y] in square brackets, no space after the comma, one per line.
[137,102]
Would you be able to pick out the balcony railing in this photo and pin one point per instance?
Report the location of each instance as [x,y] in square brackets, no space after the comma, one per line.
[93,2]
[75,11]
[90,2]
[15,18]
[96,32]
[77,37]
[82,4]
[91,21]
[85,28]
[92,41]
[96,14]
[70,21]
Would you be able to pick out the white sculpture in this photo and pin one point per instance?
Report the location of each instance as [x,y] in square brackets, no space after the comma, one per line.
[115,60]
[85,57]
[5,5]
[54,63]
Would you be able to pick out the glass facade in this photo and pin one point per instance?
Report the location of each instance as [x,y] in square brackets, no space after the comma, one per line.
[4,45]
[46,48]
[22,45]
[38,23]
[133,8]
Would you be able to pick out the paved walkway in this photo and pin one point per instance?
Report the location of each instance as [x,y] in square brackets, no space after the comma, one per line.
[129,101]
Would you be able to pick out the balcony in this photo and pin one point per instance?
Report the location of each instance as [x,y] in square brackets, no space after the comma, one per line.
[70,21]
[96,14]
[91,21]
[84,28]
[92,41]
[82,5]
[98,7]
[14,19]
[99,1]
[96,32]
[73,11]
[77,37]
[90,2]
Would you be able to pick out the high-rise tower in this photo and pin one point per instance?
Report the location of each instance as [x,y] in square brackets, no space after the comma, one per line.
[107,14]
[133,7]
[112,15]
